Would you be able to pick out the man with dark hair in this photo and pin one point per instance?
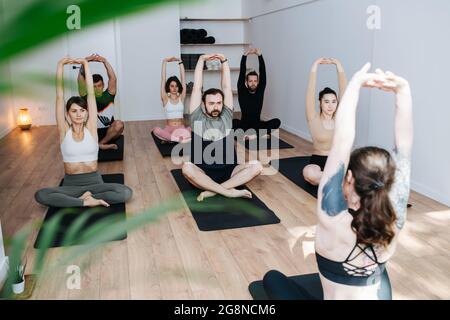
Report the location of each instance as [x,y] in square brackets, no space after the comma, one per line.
[211,116]
[109,129]
[251,89]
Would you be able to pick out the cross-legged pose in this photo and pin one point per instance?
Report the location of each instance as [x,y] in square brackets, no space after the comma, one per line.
[173,93]
[211,120]
[77,126]
[361,203]
[321,124]
[251,88]
[109,129]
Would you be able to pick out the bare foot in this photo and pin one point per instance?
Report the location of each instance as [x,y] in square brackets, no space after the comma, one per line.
[250,137]
[92,202]
[103,146]
[184,140]
[85,195]
[205,194]
[235,193]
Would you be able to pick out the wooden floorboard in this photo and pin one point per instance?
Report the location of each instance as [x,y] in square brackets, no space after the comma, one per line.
[171,258]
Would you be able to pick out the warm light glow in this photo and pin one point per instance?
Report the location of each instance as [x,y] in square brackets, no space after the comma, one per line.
[24,119]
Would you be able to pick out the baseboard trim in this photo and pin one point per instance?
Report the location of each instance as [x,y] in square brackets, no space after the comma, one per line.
[3,271]
[6,131]
[428,192]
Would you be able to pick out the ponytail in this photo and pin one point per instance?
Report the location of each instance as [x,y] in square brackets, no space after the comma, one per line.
[374,173]
[374,222]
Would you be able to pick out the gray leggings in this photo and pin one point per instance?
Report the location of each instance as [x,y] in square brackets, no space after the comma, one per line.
[75,185]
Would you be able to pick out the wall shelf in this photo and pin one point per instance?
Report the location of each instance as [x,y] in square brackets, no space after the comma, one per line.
[218,20]
[219,70]
[214,44]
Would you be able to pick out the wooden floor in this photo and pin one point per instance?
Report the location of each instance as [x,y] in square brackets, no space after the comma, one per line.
[172,259]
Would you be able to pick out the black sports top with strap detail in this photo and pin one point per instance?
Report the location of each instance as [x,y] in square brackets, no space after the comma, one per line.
[345,272]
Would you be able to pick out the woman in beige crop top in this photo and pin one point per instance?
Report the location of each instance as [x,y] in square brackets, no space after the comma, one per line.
[321,124]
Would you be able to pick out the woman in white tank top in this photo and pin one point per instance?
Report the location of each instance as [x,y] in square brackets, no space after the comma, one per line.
[173,94]
[83,185]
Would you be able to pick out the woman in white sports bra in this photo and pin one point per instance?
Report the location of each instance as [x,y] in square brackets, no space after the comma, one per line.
[173,93]
[83,185]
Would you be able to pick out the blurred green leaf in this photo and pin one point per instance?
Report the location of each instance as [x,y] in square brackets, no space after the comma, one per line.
[102,231]
[45,20]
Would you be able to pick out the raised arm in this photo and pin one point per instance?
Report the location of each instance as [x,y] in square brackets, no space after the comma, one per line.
[112,79]
[226,81]
[183,78]
[311,112]
[403,114]
[262,71]
[60,111]
[164,97]
[399,193]
[342,79]
[330,196]
[196,96]
[81,82]
[242,71]
[91,102]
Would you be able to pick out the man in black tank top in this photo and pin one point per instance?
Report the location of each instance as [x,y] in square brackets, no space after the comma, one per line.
[251,88]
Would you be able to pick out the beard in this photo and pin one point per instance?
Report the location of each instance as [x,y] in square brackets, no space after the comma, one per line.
[214,114]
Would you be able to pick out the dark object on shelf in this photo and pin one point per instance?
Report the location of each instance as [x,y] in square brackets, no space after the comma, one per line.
[186,58]
[195,36]
[190,60]
[189,87]
[209,40]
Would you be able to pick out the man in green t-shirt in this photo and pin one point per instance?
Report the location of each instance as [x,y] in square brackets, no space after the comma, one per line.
[108,128]
[211,116]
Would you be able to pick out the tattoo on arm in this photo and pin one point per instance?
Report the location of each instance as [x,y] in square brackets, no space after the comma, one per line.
[399,193]
[333,201]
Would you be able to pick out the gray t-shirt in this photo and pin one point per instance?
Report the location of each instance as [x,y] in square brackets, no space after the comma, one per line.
[212,129]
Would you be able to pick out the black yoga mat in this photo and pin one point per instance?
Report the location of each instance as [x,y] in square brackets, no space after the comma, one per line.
[97,214]
[292,168]
[166,148]
[265,144]
[309,281]
[227,217]
[113,155]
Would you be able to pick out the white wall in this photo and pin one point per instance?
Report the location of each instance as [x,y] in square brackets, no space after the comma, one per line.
[413,41]
[253,8]
[410,42]
[144,41]
[211,9]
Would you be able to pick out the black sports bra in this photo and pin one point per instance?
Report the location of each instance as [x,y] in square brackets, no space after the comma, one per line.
[349,274]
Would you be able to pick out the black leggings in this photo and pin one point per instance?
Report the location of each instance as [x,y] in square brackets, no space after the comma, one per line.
[308,287]
[264,125]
